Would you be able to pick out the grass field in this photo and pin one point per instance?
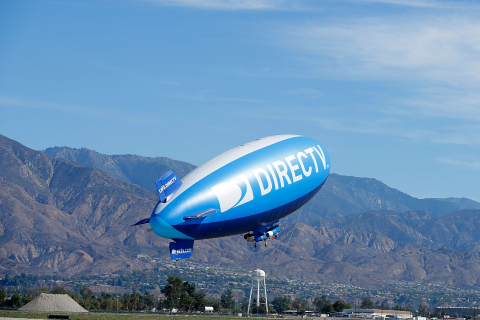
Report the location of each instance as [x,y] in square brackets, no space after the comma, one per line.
[109,316]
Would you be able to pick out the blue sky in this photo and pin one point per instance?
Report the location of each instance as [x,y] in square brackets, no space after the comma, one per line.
[390,88]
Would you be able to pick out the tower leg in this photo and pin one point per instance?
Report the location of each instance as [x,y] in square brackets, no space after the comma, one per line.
[266,300]
[258,293]
[250,299]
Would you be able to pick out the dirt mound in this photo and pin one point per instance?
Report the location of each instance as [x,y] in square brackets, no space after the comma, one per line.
[53,302]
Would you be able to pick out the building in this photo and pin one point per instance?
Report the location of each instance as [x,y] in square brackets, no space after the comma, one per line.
[378,314]
[461,311]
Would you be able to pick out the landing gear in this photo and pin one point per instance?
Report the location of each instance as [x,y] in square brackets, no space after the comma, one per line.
[266,244]
[255,244]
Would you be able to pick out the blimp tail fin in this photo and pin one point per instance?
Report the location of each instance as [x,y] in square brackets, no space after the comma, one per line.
[181,249]
[143,221]
[167,185]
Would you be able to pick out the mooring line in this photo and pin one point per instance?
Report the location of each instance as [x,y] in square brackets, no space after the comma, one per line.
[306,221]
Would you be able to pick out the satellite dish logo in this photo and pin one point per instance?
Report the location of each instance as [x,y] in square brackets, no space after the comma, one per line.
[230,194]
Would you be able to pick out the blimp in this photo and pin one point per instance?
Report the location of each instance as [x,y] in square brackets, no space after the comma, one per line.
[246,190]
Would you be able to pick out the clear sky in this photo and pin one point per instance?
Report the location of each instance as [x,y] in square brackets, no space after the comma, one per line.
[391,88]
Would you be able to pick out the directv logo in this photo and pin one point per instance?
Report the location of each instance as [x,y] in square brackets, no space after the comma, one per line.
[282,169]
[230,195]
[280,174]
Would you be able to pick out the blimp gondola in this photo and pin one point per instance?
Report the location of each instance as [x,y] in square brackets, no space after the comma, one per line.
[246,190]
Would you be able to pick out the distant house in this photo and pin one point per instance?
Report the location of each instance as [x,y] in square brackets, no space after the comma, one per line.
[378,314]
[295,312]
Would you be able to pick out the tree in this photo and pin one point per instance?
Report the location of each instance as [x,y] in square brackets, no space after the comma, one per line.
[199,301]
[108,303]
[134,298]
[94,303]
[319,302]
[281,304]
[339,305]
[3,295]
[173,290]
[301,312]
[159,304]
[244,306]
[88,300]
[60,290]
[422,310]
[182,295]
[384,306]
[367,304]
[187,300]
[327,307]
[399,308]
[16,300]
[126,301]
[215,304]
[146,301]
[259,309]
[26,299]
[227,300]
[85,292]
[299,303]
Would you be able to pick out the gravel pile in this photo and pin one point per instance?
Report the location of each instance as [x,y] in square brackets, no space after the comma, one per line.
[53,302]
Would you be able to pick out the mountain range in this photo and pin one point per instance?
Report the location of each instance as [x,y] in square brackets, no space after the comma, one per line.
[68,212]
[341,195]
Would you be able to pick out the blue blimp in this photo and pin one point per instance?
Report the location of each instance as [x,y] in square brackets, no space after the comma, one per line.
[245,190]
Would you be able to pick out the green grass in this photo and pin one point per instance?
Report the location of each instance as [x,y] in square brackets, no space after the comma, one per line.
[109,316]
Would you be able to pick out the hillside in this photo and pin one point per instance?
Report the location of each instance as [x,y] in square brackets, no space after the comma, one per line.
[59,217]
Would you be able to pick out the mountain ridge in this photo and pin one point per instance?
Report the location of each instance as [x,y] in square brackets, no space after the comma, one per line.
[131,168]
[341,195]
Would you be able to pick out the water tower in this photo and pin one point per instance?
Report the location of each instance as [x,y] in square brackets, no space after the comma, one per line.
[258,276]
